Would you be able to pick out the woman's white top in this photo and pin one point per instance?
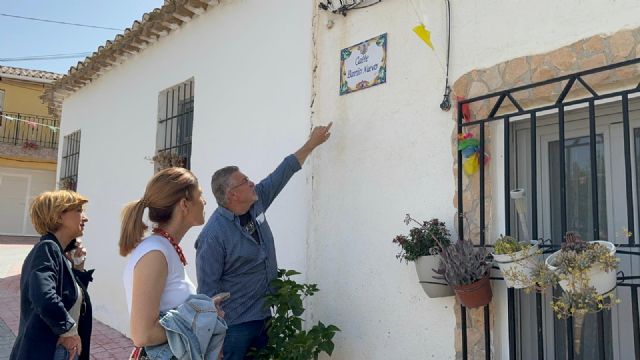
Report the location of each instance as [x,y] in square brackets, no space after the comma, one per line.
[178,286]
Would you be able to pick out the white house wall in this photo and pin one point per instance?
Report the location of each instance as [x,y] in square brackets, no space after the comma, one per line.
[250,63]
[390,154]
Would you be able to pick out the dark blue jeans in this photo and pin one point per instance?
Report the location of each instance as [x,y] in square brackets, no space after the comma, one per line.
[242,337]
[62,354]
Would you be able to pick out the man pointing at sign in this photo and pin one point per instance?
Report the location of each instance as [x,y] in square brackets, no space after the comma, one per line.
[235,251]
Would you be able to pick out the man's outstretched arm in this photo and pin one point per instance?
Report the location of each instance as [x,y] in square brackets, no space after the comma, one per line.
[318,136]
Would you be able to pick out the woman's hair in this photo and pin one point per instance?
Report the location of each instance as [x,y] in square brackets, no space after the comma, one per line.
[47,207]
[165,189]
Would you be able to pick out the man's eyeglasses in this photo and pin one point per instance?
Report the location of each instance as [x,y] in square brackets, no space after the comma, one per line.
[244,181]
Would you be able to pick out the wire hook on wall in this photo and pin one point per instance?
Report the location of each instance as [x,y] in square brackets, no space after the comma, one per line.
[445,105]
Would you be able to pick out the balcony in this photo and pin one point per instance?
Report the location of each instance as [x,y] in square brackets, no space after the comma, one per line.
[30,132]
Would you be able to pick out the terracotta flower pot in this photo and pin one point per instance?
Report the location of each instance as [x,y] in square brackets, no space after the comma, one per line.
[476,294]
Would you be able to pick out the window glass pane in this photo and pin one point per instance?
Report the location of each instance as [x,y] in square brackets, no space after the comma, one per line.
[580,220]
[578,189]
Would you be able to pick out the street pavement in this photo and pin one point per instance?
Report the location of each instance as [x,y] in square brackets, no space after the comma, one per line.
[106,343]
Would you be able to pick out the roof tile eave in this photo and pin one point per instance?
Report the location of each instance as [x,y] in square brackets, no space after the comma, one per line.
[29,73]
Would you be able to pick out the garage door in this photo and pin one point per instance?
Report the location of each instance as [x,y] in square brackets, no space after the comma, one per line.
[13,202]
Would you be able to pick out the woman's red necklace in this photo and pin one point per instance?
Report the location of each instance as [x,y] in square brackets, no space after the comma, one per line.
[173,242]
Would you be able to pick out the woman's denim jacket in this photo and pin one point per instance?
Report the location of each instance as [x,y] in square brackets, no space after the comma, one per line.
[194,331]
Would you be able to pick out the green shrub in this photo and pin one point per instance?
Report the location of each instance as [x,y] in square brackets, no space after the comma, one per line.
[287,338]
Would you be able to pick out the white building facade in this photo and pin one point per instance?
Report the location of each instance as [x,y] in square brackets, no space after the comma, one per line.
[261,74]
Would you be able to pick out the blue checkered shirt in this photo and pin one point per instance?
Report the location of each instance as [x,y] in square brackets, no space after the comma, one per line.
[229,259]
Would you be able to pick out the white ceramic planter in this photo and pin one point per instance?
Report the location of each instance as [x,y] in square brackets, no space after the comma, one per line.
[523,262]
[602,281]
[433,287]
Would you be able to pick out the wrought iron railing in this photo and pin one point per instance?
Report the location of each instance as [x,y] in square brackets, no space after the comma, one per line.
[29,131]
[504,117]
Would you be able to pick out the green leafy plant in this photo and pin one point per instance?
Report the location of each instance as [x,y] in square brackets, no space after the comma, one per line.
[508,245]
[425,239]
[287,338]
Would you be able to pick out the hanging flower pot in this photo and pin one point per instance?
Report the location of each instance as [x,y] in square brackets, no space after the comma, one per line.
[466,268]
[419,246]
[516,261]
[432,287]
[516,265]
[476,294]
[596,276]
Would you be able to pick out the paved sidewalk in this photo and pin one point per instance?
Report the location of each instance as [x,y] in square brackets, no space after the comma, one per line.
[106,343]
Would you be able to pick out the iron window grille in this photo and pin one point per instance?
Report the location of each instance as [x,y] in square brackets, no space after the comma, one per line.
[175,126]
[503,119]
[70,161]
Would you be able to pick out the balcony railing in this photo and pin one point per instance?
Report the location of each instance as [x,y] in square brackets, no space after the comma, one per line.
[29,131]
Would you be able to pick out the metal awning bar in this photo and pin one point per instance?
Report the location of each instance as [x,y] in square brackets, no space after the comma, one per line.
[551,107]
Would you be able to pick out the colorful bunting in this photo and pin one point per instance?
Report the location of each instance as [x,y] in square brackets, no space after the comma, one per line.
[466,111]
[423,34]
[31,124]
[470,149]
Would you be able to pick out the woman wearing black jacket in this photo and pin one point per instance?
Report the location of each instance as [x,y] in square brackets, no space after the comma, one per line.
[55,310]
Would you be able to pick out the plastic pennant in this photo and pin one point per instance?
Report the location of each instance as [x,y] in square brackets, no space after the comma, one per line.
[470,165]
[466,111]
[468,151]
[468,142]
[423,34]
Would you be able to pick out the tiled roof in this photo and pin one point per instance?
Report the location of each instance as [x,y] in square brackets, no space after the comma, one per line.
[142,34]
[36,74]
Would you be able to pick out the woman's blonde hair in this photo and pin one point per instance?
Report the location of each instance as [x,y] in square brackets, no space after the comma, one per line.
[165,189]
[47,207]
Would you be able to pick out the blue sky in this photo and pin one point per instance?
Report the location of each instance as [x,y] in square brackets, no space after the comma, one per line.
[21,38]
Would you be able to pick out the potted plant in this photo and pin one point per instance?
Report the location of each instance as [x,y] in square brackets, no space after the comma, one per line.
[166,158]
[287,338]
[516,260]
[466,268]
[586,271]
[421,247]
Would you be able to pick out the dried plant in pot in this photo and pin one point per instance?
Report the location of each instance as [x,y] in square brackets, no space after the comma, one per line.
[421,247]
[166,158]
[586,271]
[67,184]
[516,260]
[466,268]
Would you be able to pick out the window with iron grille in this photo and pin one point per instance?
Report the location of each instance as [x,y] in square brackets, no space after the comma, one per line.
[578,159]
[175,125]
[70,160]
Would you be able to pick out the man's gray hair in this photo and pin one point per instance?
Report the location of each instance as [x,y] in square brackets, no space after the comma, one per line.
[221,182]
